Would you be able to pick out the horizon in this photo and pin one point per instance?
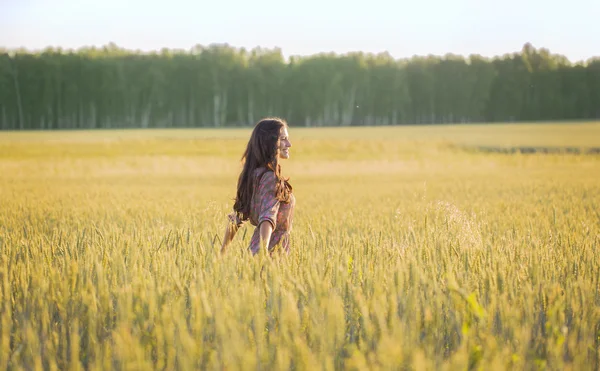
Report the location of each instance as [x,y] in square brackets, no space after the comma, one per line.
[403,30]
[288,56]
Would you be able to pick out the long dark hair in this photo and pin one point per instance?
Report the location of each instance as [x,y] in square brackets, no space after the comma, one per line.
[262,151]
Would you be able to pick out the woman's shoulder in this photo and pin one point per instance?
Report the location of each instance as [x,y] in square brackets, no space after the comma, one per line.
[264,175]
[263,171]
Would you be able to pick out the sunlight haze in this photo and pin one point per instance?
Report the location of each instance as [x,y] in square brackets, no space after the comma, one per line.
[402,28]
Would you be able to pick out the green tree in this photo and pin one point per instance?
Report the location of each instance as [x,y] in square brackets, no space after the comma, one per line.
[219,85]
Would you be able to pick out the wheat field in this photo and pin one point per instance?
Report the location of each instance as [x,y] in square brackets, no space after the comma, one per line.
[411,250]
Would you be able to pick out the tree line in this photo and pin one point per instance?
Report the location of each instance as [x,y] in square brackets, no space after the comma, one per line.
[219,86]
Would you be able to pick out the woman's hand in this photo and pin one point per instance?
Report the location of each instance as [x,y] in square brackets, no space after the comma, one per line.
[230,231]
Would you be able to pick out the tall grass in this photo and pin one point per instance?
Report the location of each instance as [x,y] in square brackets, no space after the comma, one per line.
[407,253]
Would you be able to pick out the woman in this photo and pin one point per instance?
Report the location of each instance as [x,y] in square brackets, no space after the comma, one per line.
[263,196]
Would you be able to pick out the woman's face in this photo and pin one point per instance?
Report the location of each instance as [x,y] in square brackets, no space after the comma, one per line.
[284,144]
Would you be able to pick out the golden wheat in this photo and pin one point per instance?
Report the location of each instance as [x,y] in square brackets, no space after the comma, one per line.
[408,252]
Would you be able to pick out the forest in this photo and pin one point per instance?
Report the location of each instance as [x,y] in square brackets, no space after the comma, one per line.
[223,86]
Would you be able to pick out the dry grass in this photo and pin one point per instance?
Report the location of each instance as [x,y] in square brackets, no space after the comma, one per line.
[408,252]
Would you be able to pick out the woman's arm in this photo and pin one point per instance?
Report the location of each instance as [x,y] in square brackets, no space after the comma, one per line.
[230,231]
[266,229]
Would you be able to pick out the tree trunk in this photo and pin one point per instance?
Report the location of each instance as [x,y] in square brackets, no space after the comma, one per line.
[348,112]
[240,114]
[93,119]
[336,114]
[223,112]
[183,118]
[4,127]
[145,119]
[192,113]
[81,124]
[18,95]
[216,110]
[250,108]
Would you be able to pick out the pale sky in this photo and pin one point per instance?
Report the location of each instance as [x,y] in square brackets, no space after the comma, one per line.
[402,28]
